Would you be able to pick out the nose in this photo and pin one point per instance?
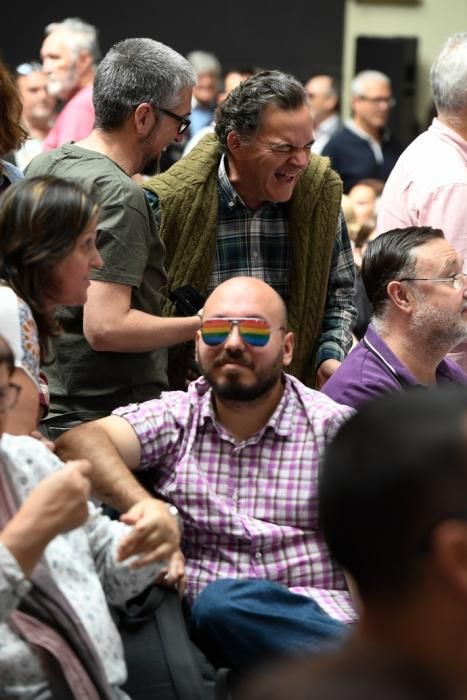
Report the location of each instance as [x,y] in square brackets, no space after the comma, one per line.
[234,340]
[300,157]
[96,261]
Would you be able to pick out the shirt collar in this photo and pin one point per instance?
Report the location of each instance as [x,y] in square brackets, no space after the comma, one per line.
[374,145]
[281,421]
[393,362]
[227,191]
[229,194]
[447,134]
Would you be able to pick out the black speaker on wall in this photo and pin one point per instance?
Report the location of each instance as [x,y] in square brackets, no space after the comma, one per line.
[397,57]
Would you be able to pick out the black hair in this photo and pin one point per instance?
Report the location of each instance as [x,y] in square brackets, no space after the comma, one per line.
[389,257]
[393,472]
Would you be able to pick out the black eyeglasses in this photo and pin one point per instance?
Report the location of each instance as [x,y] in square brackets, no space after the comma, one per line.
[9,396]
[183,122]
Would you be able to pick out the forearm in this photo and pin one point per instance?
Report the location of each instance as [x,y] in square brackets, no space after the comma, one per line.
[26,538]
[111,479]
[137,331]
[335,339]
[339,314]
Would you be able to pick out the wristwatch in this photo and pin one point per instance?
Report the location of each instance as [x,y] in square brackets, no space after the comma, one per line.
[173,510]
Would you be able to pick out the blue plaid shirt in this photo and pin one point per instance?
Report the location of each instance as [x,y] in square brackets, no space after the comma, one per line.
[256,244]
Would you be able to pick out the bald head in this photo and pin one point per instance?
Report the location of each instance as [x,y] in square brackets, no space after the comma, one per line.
[246,296]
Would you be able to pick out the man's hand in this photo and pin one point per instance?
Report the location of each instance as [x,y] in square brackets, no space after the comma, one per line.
[174,573]
[155,535]
[325,370]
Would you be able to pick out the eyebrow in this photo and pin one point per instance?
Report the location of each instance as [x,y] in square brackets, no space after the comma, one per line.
[290,145]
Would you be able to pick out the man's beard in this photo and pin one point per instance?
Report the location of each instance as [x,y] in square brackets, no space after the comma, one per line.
[151,167]
[442,330]
[65,86]
[230,387]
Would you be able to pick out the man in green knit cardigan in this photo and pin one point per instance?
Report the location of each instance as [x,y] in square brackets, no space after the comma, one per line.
[253,200]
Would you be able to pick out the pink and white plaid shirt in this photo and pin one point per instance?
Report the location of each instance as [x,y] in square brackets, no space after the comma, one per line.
[249,507]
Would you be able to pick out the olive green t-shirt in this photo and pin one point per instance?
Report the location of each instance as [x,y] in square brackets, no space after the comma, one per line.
[80,378]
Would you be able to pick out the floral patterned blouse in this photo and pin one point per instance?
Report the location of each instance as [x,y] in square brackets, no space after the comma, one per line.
[84,566]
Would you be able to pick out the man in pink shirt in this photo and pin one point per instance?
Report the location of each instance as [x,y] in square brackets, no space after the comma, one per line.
[69,53]
[428,185]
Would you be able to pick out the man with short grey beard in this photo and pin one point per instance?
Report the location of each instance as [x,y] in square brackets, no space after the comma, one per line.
[416,285]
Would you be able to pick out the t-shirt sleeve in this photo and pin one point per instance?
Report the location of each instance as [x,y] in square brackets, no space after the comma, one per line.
[124,244]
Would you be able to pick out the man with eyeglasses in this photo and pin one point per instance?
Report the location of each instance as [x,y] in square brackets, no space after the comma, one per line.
[417,288]
[393,511]
[114,350]
[238,455]
[253,200]
[364,148]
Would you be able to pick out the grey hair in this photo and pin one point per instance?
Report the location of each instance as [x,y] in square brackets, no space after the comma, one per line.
[242,111]
[81,36]
[367,76]
[448,75]
[135,71]
[205,62]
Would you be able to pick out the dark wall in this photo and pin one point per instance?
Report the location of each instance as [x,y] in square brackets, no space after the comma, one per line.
[300,38]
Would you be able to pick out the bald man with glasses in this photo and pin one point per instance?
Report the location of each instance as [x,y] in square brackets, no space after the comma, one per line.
[237,455]
[416,284]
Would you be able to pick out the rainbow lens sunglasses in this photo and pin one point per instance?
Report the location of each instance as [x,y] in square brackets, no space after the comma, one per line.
[253,331]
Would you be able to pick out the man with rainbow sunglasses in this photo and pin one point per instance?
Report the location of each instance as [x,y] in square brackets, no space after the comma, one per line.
[238,456]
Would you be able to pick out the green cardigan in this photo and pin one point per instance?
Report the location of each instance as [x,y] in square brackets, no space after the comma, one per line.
[188,199]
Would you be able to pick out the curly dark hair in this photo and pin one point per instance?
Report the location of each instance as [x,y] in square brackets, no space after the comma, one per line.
[242,111]
[12,134]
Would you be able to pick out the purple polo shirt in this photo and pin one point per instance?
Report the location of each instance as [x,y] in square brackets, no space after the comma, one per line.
[363,375]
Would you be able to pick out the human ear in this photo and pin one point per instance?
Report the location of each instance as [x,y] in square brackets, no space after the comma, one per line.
[397,292]
[288,344]
[448,550]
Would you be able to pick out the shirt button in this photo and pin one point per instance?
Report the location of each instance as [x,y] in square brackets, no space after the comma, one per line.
[258,555]
[255,254]
[231,204]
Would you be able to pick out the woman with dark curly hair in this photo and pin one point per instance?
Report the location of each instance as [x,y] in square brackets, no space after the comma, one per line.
[47,249]
[12,134]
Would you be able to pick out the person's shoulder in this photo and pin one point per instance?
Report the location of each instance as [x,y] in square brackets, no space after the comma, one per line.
[318,406]
[358,379]
[12,172]
[451,371]
[29,454]
[174,405]
[82,97]
[47,162]
[342,136]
